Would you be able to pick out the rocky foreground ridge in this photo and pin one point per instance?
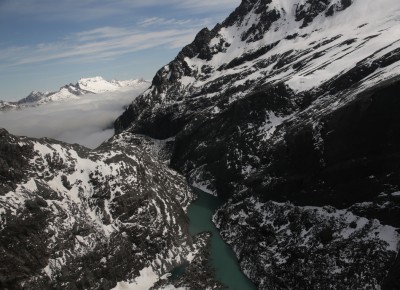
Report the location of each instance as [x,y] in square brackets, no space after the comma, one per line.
[290,109]
[75,218]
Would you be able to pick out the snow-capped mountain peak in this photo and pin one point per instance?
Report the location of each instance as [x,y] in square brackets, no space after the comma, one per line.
[95,85]
[303,43]
[34,96]
[99,85]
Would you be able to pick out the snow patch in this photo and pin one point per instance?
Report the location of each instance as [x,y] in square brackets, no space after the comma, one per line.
[397,193]
[145,281]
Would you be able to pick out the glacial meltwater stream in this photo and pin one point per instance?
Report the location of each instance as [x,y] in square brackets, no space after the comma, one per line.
[223,259]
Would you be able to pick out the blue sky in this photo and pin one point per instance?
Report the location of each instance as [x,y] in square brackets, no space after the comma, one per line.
[45,44]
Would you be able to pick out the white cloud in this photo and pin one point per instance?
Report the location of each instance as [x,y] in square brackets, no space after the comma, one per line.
[65,10]
[164,21]
[209,5]
[96,44]
[87,121]
[87,10]
[108,42]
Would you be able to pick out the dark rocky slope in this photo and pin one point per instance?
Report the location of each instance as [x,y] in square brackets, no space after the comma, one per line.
[74,218]
[307,247]
[290,102]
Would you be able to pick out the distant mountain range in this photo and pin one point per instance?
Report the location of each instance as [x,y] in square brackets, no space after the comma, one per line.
[83,87]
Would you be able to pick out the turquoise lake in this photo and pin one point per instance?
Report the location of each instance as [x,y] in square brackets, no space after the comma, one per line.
[223,259]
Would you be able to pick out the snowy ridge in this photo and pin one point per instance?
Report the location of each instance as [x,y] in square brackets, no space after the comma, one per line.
[5,106]
[99,85]
[95,85]
[303,57]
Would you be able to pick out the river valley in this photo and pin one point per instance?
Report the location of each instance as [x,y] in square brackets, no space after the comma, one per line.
[223,259]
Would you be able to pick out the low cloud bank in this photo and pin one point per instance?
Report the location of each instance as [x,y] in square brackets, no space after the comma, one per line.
[87,121]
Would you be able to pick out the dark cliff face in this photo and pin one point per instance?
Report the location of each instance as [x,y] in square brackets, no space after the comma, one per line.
[291,103]
[354,159]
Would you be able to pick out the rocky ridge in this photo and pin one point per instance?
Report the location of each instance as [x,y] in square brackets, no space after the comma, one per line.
[76,218]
